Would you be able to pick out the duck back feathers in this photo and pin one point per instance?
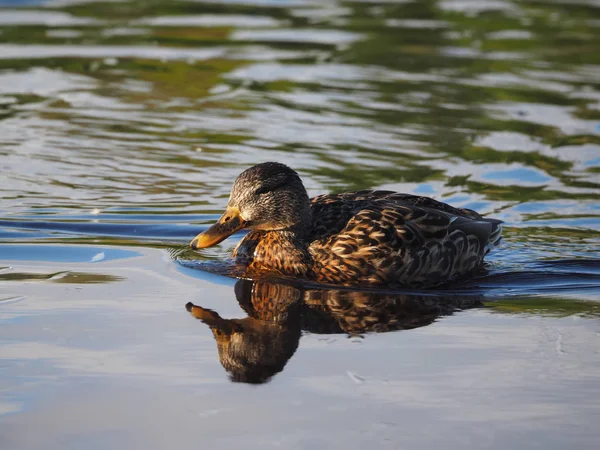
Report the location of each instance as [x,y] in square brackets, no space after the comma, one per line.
[383,237]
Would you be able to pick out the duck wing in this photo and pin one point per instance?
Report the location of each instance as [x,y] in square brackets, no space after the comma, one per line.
[386,237]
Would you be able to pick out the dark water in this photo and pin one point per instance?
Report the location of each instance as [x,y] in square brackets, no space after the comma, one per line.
[122,127]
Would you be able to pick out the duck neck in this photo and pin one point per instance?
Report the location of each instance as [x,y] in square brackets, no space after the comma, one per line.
[282,251]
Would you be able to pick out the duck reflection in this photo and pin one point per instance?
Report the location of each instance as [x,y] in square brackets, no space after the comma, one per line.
[257,347]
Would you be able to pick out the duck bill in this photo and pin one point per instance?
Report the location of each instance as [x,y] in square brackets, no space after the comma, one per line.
[228,223]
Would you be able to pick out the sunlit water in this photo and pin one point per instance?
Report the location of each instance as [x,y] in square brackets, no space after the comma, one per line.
[122,127]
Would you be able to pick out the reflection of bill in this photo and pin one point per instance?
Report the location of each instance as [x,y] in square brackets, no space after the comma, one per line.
[257,347]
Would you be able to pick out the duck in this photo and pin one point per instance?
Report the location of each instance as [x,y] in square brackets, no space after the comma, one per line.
[362,238]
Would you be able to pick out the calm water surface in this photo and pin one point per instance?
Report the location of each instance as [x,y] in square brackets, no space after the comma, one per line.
[122,127]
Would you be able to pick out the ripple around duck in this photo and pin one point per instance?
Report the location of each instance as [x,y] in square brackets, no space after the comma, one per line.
[510,271]
[557,278]
[123,230]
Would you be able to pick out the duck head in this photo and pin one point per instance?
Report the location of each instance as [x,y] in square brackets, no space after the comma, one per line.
[269,196]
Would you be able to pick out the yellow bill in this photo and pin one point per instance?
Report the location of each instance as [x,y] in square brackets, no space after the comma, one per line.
[228,223]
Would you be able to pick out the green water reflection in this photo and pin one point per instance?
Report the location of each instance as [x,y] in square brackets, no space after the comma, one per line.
[369,94]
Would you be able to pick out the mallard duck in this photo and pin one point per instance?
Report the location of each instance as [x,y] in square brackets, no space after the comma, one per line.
[367,237]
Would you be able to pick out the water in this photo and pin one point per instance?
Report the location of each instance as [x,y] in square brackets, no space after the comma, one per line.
[122,127]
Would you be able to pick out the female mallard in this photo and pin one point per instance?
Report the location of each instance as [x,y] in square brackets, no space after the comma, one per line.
[364,237]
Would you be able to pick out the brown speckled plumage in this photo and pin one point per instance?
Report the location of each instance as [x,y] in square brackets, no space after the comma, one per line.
[365,237]
[383,237]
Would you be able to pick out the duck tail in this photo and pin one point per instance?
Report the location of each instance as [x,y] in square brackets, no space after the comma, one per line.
[495,234]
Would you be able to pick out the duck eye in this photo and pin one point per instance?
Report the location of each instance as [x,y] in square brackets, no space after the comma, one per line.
[227,219]
[273,185]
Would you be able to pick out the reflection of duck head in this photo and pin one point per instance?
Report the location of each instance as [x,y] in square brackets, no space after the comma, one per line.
[257,347]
